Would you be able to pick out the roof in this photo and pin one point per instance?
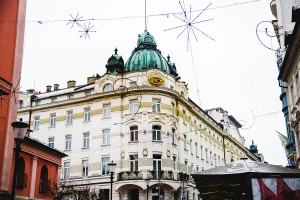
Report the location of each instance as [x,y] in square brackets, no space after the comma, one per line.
[43,145]
[233,120]
[64,91]
[146,55]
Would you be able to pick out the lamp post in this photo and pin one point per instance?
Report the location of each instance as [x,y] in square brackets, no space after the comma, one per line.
[147,183]
[19,128]
[111,167]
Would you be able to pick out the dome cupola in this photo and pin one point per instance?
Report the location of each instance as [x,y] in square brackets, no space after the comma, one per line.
[146,55]
[172,67]
[115,64]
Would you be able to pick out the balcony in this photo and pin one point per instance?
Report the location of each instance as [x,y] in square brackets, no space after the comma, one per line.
[147,174]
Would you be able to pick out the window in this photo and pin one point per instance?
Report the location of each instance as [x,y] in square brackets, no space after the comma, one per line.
[174,163]
[36,123]
[51,142]
[134,133]
[85,168]
[69,117]
[206,155]
[184,116]
[219,161]
[191,147]
[196,148]
[173,136]
[132,84]
[70,97]
[184,142]
[106,136]
[133,106]
[66,170]
[54,99]
[186,168]
[87,114]
[86,140]
[108,88]
[38,103]
[133,162]
[156,133]
[105,169]
[197,169]
[172,109]
[156,105]
[210,157]
[20,104]
[22,178]
[88,93]
[107,110]
[157,163]
[44,182]
[52,120]
[201,152]
[68,142]
[104,194]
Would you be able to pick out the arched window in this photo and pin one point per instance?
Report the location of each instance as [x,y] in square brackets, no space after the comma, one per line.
[107,88]
[21,176]
[44,182]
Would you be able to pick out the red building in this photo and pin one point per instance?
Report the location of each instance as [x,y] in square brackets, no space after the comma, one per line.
[39,168]
[12,23]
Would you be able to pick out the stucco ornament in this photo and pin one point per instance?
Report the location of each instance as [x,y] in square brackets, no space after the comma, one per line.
[145,152]
[122,154]
[168,153]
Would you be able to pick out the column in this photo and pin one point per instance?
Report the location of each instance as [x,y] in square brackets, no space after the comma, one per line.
[33,177]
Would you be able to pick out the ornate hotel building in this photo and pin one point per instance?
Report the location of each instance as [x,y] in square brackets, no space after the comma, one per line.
[138,115]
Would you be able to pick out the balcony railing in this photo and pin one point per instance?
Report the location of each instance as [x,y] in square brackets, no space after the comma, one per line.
[147,174]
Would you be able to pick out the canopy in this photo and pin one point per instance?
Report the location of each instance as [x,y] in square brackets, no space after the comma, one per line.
[233,181]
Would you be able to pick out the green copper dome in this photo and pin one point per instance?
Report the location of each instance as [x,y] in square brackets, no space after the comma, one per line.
[115,64]
[146,55]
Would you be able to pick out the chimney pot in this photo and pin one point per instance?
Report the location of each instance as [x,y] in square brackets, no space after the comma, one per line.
[56,87]
[48,88]
[90,79]
[71,83]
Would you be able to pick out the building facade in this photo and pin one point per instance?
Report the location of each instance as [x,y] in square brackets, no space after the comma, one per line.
[286,27]
[140,116]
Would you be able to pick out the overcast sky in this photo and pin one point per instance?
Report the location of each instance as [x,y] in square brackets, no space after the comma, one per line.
[234,72]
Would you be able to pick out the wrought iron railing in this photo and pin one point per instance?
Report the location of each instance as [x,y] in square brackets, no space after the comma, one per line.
[152,174]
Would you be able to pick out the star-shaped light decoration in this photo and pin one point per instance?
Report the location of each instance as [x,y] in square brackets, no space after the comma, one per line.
[86,30]
[75,20]
[189,23]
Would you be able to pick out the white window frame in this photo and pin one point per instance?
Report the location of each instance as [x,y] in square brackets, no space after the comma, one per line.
[186,167]
[174,163]
[196,149]
[156,133]
[134,134]
[106,136]
[184,142]
[173,137]
[133,106]
[85,168]
[36,122]
[51,142]
[70,117]
[68,142]
[107,110]
[86,140]
[156,105]
[66,170]
[87,114]
[133,163]
[105,168]
[52,120]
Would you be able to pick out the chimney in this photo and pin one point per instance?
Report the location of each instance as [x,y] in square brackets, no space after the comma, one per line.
[71,83]
[30,91]
[90,79]
[48,88]
[56,87]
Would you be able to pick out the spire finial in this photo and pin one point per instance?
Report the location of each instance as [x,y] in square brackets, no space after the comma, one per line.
[252,142]
[145,15]
[116,50]
[168,57]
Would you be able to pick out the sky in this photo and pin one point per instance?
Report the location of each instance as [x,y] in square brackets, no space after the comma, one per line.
[234,71]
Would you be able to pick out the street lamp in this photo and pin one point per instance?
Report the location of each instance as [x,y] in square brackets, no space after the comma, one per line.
[19,128]
[111,167]
[147,183]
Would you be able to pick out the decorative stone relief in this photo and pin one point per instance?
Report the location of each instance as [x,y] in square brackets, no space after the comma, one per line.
[145,152]
[168,153]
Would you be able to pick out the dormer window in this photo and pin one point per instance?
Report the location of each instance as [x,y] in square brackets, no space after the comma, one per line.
[108,88]
[148,39]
